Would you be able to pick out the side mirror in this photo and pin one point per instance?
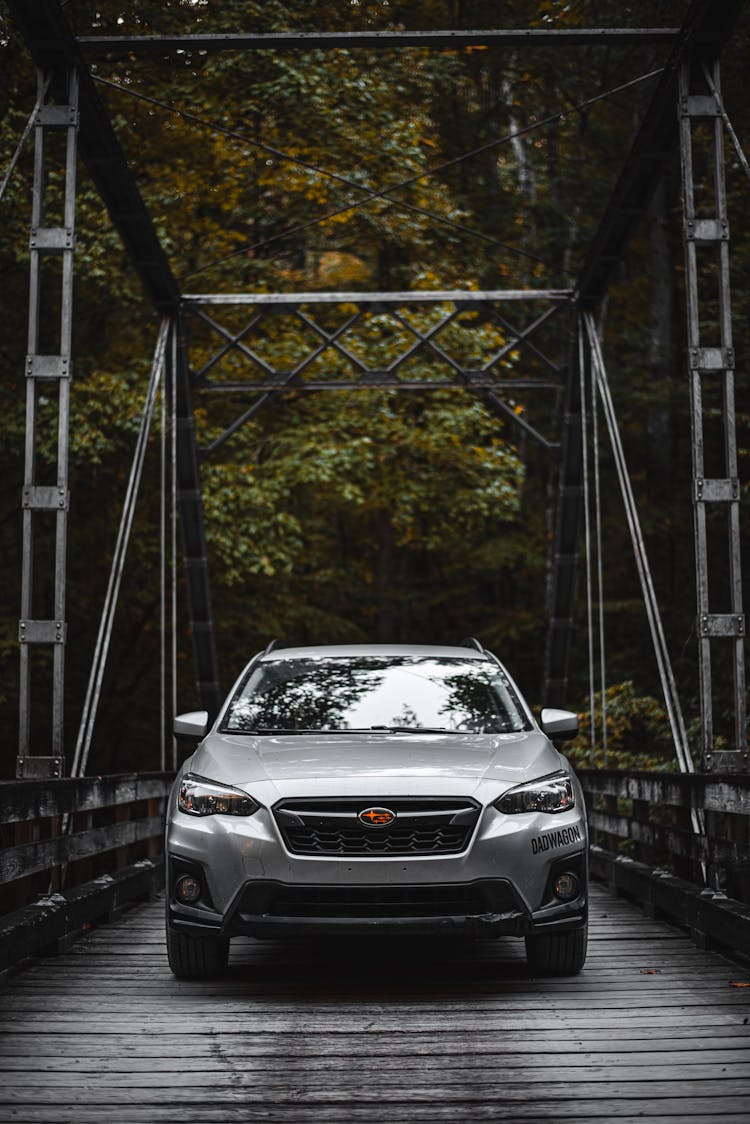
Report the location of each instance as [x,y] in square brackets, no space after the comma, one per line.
[191,725]
[559,725]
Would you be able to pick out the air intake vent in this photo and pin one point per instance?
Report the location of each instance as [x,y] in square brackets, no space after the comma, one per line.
[339,827]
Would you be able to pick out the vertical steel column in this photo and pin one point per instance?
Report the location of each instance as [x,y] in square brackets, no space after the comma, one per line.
[48,240]
[192,524]
[562,581]
[706,242]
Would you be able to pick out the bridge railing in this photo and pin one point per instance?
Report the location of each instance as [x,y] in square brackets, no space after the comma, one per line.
[645,845]
[74,851]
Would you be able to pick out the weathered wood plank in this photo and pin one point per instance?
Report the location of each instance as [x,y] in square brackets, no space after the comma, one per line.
[702,1110]
[429,1031]
[34,799]
[28,858]
[432,1055]
[287,1092]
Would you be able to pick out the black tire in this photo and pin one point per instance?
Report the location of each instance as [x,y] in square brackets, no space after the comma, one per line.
[196,958]
[557,954]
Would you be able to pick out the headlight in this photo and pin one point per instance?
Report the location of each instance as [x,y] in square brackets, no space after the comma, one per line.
[549,794]
[201,797]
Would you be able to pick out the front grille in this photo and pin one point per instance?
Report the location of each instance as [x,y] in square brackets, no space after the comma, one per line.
[420,826]
[275,899]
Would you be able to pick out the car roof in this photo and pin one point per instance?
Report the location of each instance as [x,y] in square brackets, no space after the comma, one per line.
[436,651]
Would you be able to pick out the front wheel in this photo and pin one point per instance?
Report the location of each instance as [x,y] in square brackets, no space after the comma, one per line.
[557,954]
[196,958]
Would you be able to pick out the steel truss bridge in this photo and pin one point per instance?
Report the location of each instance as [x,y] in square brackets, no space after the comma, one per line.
[104,832]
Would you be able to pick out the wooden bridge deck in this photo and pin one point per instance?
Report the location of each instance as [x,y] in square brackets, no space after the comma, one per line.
[653,1029]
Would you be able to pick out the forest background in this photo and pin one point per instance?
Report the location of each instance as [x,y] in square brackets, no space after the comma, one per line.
[367,515]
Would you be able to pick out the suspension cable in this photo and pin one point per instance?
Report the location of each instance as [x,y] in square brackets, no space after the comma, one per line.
[101,651]
[506,139]
[173,522]
[599,564]
[727,123]
[163,576]
[666,675]
[24,136]
[587,543]
[382,192]
[281,155]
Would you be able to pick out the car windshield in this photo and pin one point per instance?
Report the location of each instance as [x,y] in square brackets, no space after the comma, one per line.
[401,693]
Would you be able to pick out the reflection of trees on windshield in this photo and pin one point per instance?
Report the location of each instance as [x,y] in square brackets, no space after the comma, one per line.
[304,694]
[407,719]
[404,693]
[474,703]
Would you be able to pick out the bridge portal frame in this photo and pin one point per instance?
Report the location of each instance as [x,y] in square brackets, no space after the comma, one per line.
[61,59]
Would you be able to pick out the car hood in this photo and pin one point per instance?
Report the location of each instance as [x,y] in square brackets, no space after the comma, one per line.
[374,764]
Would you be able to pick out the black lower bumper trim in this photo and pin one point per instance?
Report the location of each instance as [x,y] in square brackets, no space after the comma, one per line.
[513,923]
[265,920]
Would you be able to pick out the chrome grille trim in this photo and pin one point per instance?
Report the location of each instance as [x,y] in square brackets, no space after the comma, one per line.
[422,826]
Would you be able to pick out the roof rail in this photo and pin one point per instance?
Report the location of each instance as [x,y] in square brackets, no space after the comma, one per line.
[471,642]
[270,646]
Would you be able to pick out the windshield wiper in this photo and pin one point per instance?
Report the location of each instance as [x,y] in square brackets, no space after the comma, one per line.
[272,730]
[276,730]
[269,730]
[411,730]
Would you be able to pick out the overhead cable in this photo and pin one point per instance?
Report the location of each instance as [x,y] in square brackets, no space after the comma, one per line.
[582,358]
[279,154]
[599,565]
[101,650]
[666,674]
[24,136]
[727,123]
[506,139]
[382,193]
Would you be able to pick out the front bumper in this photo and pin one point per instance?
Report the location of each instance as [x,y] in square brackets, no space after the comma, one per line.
[484,908]
[500,885]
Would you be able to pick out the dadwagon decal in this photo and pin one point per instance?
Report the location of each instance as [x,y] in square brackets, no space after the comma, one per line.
[553,839]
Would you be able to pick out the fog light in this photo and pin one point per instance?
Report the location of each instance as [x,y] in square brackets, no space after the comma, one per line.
[187,889]
[566,887]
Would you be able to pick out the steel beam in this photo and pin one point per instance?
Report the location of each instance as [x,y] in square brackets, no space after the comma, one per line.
[272,383]
[563,569]
[366,299]
[707,27]
[382,380]
[43,372]
[50,40]
[711,364]
[374,40]
[192,526]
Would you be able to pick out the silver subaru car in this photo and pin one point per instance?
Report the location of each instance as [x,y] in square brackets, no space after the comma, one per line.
[376,789]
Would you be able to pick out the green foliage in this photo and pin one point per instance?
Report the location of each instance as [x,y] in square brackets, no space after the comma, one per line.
[371,515]
[638,733]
